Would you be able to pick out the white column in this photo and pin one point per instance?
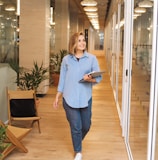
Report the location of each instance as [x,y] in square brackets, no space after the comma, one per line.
[61,25]
[34,34]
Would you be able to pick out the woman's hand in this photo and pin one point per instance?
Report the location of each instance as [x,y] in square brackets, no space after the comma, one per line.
[89,78]
[56,101]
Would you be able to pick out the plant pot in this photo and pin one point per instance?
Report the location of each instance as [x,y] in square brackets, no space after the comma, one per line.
[55,78]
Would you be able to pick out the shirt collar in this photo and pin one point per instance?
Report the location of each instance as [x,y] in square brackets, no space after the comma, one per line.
[85,54]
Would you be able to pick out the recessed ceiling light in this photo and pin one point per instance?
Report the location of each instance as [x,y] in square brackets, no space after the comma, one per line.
[90,9]
[10,8]
[137,14]
[145,4]
[88,3]
[140,10]
[1,3]
[92,13]
[92,16]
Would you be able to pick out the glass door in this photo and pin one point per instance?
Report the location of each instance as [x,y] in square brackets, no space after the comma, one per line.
[153,114]
[141,79]
[9,32]
[118,19]
[107,44]
[120,54]
[114,53]
[114,69]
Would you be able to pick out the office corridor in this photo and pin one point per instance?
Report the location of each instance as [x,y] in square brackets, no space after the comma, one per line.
[104,141]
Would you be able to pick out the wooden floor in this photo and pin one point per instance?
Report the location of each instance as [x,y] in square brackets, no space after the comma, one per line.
[103,142]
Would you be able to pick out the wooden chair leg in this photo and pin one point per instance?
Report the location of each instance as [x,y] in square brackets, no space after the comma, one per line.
[16,142]
[38,123]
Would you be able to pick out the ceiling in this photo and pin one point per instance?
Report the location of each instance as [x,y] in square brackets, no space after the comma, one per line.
[103,8]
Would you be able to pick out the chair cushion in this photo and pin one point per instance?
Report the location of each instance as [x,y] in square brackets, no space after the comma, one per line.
[22,107]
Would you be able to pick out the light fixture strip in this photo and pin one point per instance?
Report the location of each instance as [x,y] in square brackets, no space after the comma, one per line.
[18,8]
[145,4]
[90,9]
[89,3]
[1,3]
[140,10]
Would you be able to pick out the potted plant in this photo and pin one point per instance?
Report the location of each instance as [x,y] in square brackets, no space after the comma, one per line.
[55,64]
[3,143]
[56,59]
[28,79]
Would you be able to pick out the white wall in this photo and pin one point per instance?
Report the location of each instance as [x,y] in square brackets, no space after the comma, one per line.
[8,80]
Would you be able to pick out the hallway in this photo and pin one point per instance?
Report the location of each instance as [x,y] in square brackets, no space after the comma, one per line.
[104,141]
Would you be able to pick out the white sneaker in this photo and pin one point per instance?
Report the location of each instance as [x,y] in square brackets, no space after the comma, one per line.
[78,156]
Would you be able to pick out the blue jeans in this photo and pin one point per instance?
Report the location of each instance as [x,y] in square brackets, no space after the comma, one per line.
[80,121]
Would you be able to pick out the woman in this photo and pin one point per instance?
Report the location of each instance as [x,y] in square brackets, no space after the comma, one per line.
[77,96]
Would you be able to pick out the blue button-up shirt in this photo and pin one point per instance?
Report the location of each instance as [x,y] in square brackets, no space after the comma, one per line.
[77,94]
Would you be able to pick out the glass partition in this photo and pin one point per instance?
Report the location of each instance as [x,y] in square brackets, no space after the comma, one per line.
[114,42]
[156,140]
[156,143]
[140,88]
[114,34]
[120,66]
[99,41]
[153,114]
[112,53]
[108,44]
[9,31]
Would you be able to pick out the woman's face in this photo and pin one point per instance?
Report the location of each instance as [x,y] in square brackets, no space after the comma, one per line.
[81,44]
